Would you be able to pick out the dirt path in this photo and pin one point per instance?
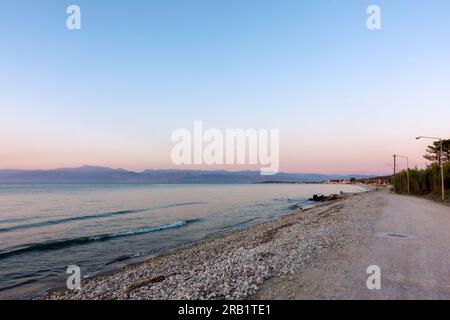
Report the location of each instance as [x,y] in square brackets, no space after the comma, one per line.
[408,238]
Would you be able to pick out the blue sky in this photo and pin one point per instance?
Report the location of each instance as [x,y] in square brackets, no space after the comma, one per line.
[344,98]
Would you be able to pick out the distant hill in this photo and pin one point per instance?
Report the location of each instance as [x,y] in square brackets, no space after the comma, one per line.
[94,174]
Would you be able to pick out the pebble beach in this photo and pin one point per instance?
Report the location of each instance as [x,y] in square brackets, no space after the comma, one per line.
[232,266]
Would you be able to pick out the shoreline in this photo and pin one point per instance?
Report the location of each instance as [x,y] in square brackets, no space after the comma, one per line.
[232,265]
[174,249]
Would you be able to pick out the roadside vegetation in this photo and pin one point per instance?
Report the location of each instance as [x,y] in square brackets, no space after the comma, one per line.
[426,181]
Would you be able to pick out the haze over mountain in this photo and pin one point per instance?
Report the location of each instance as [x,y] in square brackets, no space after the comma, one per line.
[96,174]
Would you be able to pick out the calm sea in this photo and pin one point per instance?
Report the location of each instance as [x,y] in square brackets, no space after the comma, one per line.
[46,228]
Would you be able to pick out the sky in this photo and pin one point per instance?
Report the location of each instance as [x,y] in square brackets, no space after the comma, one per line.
[345,98]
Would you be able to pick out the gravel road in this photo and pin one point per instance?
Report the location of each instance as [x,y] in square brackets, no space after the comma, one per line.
[407,237]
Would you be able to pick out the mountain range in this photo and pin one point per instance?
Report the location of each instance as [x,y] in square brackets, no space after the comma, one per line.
[104,175]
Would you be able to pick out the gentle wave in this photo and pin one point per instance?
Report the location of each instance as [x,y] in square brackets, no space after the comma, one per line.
[18,284]
[58,244]
[12,220]
[89,217]
[53,222]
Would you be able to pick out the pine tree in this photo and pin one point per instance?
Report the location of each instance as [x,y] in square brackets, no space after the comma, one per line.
[434,152]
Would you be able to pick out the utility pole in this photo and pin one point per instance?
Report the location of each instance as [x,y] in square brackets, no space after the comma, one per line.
[442,171]
[395,164]
[407,169]
[407,172]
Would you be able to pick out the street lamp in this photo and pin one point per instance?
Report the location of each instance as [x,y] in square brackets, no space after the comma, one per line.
[407,168]
[441,140]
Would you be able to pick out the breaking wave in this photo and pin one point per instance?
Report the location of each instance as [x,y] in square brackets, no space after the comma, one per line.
[87,217]
[59,244]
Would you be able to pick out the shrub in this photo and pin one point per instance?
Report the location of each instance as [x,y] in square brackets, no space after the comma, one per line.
[422,181]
